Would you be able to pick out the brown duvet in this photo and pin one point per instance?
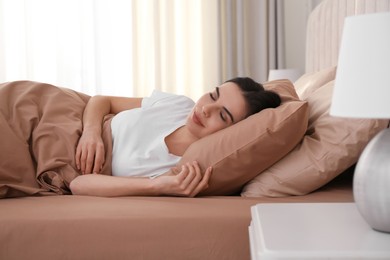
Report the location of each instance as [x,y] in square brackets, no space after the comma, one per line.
[40,125]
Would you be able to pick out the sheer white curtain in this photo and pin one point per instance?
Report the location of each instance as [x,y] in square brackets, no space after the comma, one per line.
[76,44]
[175,45]
[252,38]
[128,48]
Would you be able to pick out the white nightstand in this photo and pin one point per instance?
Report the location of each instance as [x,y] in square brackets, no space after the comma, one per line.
[314,231]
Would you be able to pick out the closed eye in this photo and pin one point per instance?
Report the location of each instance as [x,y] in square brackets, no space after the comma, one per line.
[222,114]
[223,117]
[212,94]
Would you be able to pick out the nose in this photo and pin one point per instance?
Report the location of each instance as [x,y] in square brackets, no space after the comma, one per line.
[208,109]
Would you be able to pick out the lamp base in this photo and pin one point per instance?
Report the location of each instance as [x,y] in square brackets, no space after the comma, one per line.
[371,184]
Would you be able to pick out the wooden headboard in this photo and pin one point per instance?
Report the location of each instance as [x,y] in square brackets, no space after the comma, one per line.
[325,25]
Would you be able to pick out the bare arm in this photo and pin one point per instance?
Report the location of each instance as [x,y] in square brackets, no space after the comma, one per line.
[188,182]
[90,149]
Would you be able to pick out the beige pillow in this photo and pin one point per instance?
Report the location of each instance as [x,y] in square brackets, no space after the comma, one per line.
[240,152]
[310,82]
[330,146]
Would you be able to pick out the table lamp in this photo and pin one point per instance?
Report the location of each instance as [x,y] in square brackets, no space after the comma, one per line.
[362,90]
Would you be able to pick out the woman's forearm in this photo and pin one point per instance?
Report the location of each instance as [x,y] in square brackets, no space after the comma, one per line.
[99,106]
[110,186]
[96,109]
[187,182]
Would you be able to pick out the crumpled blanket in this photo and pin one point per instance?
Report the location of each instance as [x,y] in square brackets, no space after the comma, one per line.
[40,125]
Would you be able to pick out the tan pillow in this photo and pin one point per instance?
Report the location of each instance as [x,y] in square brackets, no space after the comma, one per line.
[330,146]
[240,152]
[310,82]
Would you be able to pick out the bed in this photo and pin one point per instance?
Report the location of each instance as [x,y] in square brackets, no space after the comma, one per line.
[215,224]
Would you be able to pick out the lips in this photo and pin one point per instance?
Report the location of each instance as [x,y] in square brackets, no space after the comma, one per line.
[196,119]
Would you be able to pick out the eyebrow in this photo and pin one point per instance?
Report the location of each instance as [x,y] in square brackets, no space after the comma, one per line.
[224,108]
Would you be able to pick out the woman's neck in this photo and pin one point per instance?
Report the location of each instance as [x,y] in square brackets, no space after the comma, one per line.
[179,140]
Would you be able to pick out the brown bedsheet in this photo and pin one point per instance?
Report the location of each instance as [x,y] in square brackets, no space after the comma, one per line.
[81,227]
[40,125]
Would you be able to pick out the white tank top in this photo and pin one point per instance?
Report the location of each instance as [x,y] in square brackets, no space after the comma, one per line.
[138,135]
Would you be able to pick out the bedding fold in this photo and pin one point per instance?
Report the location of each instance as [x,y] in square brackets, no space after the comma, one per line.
[40,125]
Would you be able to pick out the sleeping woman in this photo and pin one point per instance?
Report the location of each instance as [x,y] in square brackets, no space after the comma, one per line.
[151,134]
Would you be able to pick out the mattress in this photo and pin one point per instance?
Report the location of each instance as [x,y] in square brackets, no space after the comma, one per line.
[84,227]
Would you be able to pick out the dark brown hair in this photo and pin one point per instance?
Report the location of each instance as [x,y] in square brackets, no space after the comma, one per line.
[256,97]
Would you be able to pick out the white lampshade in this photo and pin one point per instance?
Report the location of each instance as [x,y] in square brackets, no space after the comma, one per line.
[362,87]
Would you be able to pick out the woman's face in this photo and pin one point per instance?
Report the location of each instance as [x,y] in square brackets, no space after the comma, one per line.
[222,107]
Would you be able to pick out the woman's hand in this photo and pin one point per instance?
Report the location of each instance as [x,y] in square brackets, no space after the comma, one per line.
[188,182]
[90,152]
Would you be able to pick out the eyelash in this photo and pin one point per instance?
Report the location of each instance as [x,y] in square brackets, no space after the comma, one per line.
[221,114]
[222,117]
